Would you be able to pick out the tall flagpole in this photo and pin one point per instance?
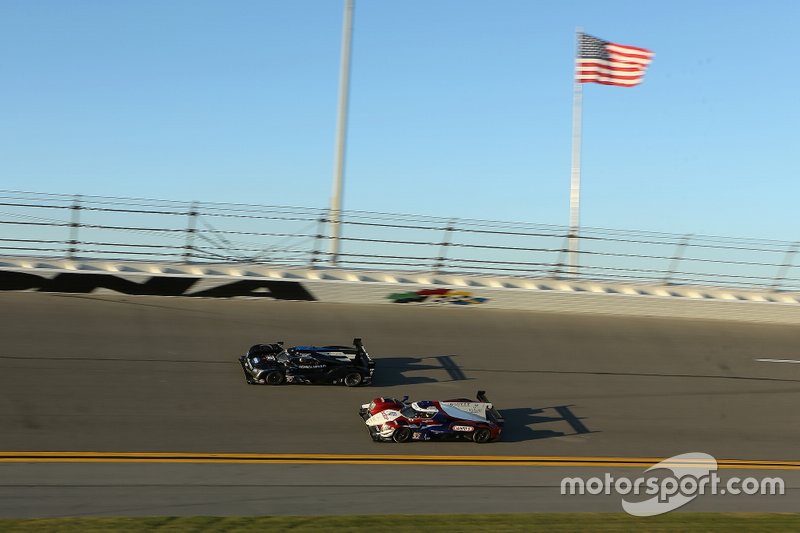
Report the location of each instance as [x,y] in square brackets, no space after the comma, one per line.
[341,134]
[575,181]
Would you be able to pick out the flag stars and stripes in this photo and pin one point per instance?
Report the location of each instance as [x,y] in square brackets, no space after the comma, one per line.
[608,63]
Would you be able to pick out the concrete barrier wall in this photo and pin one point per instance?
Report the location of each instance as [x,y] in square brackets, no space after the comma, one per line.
[399,289]
[558,301]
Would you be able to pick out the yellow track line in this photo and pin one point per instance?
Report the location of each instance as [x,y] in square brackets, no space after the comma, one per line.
[300,458]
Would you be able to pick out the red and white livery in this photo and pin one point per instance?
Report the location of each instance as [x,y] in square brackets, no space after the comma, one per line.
[393,420]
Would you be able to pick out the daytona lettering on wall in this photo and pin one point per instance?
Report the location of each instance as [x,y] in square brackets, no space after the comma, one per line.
[154,286]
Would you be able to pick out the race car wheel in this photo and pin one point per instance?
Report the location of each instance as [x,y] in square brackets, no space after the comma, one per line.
[353,379]
[401,435]
[275,377]
[481,435]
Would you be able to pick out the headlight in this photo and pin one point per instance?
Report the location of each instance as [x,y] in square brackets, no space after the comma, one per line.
[256,360]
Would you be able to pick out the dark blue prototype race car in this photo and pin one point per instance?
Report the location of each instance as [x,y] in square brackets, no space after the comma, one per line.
[273,364]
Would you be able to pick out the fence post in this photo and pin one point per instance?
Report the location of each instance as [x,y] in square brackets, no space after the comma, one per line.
[191,229]
[448,232]
[559,265]
[788,259]
[317,241]
[676,259]
[75,223]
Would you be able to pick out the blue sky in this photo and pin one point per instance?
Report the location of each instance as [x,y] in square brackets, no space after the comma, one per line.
[458,108]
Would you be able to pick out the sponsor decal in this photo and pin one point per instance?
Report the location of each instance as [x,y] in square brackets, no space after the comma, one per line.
[379,419]
[446,296]
[463,428]
[152,286]
[476,408]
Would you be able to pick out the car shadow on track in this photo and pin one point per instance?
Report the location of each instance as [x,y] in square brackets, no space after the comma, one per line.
[393,370]
[526,423]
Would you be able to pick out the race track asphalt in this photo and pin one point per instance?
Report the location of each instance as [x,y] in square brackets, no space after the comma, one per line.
[151,374]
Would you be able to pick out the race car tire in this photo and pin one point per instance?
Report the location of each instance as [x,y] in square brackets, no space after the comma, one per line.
[401,435]
[481,435]
[353,379]
[275,377]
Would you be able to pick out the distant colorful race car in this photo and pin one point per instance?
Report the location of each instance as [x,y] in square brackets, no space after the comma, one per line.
[393,420]
[272,364]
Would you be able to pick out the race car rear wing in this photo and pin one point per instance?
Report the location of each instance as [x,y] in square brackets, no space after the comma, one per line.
[491,413]
[362,357]
[359,345]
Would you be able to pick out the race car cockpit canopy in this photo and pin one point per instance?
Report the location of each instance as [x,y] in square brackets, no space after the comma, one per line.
[425,406]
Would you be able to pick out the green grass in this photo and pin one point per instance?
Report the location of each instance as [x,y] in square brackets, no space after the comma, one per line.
[498,523]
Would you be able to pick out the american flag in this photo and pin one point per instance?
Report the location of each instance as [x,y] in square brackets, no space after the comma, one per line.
[603,62]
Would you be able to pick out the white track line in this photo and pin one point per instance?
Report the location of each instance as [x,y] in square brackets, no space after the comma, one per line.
[778,361]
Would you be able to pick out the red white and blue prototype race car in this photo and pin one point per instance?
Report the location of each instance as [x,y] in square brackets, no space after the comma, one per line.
[393,420]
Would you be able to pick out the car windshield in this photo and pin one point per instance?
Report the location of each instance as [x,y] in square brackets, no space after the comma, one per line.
[408,412]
